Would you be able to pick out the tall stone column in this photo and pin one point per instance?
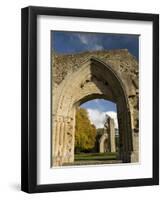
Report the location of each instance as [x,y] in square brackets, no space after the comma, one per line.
[110,127]
[135,153]
[112,135]
[125,136]
[56,148]
[62,134]
[102,140]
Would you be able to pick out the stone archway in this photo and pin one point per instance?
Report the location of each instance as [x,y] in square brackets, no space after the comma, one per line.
[102,143]
[93,79]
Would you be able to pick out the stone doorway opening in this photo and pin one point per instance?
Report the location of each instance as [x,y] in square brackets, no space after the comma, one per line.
[96,133]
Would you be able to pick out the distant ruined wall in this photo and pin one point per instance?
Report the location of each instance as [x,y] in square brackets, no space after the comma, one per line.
[108,136]
[125,67]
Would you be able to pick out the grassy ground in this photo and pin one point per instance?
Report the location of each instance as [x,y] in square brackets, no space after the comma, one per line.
[96,156]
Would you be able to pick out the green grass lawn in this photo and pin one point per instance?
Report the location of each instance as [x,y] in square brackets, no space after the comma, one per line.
[96,156]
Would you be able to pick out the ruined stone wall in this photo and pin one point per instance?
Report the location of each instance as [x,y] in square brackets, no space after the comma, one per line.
[64,67]
[125,65]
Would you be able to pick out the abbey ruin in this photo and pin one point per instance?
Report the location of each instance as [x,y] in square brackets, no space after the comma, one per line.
[107,140]
[77,78]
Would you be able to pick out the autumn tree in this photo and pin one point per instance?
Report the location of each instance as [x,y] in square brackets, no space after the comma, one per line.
[85,132]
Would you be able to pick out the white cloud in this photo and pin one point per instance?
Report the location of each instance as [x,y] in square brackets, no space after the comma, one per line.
[113,115]
[90,41]
[83,38]
[97,47]
[98,118]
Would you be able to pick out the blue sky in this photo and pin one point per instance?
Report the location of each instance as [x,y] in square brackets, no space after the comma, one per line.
[76,42]
[100,104]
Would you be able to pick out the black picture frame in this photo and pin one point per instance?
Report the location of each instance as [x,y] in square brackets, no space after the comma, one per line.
[29,99]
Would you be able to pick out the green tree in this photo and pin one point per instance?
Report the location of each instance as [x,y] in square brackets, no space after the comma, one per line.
[85,132]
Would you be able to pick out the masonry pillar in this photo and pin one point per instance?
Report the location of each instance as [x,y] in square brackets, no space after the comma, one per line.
[110,127]
[135,153]
[112,135]
[102,140]
[63,140]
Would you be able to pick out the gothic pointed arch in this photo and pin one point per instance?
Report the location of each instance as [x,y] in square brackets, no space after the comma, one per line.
[92,79]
